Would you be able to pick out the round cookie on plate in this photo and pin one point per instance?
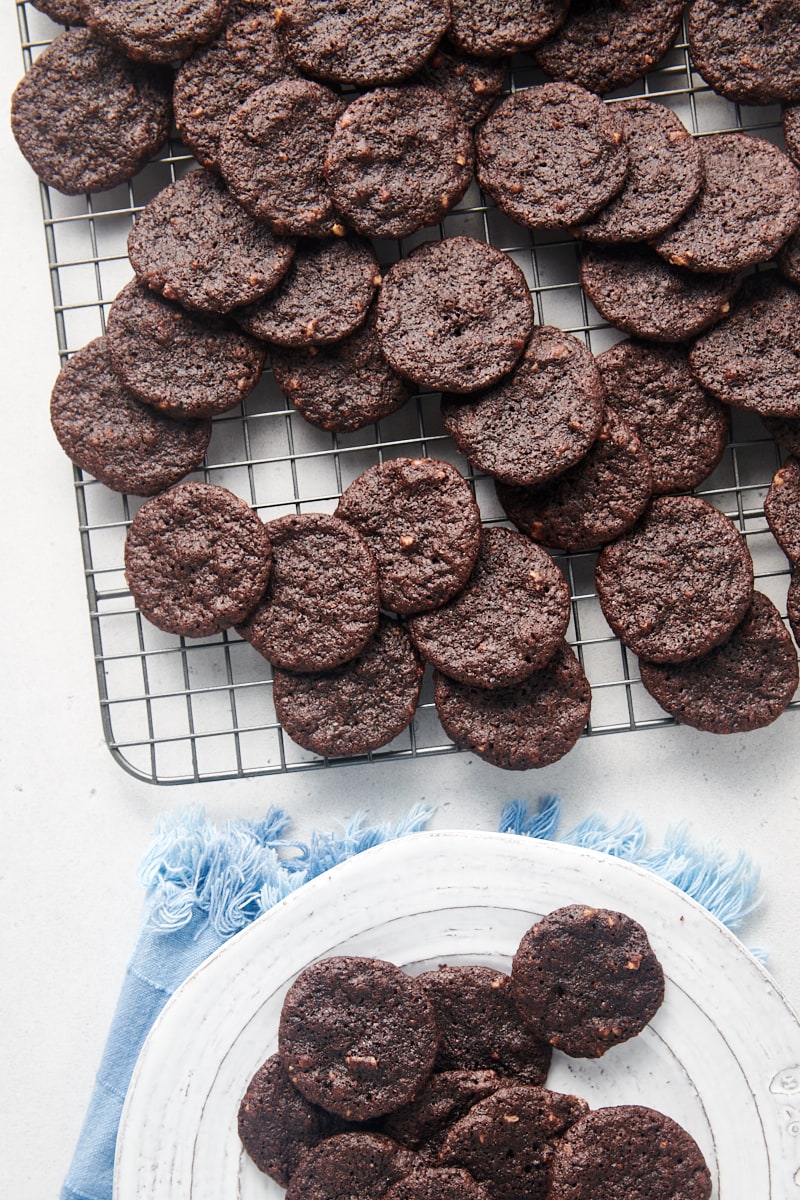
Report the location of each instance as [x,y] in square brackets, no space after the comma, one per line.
[507,621]
[197,559]
[678,583]
[455,315]
[87,119]
[421,521]
[530,725]
[744,684]
[195,244]
[398,160]
[586,979]
[185,364]
[158,31]
[357,707]
[125,444]
[486,28]
[437,1183]
[357,1164]
[551,156]
[423,1123]
[782,509]
[321,605]
[746,50]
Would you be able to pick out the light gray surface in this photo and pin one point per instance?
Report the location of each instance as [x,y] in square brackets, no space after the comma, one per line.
[75,825]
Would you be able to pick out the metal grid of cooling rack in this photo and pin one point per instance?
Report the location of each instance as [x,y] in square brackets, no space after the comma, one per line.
[179,711]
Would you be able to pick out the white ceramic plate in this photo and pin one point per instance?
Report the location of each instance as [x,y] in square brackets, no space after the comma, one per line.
[722,1055]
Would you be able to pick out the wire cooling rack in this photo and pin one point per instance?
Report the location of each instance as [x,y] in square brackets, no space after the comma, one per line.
[179,711]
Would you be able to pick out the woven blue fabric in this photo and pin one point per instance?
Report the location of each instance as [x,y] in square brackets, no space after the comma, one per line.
[205,883]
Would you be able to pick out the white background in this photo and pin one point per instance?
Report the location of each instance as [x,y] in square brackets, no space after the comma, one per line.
[74,825]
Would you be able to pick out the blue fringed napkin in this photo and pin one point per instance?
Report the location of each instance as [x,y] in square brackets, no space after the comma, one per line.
[205,883]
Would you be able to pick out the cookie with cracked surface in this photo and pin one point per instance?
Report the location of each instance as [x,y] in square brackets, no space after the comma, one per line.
[591,503]
[87,119]
[344,386]
[355,708]
[632,1151]
[157,31]
[683,428]
[537,421]
[422,1124]
[398,160]
[197,559]
[357,1036]
[749,205]
[195,244]
[321,605]
[421,521]
[678,583]
[506,622]
[108,432]
[750,359]
[219,76]
[782,509]
[551,156]
[586,979]
[744,684]
[479,1025]
[639,292]
[471,84]
[277,1125]
[185,364]
[746,50]
[455,315]
[485,28]
[364,42]
[533,724]
[272,152]
[665,173]
[608,44]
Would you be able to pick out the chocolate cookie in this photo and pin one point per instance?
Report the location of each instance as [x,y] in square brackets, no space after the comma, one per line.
[323,297]
[748,206]
[272,152]
[197,559]
[506,1141]
[678,583]
[85,118]
[341,387]
[212,83]
[470,84]
[105,430]
[195,244]
[277,1125]
[683,429]
[455,315]
[606,44]
[782,509]
[486,28]
[750,360]
[158,31]
[422,523]
[65,12]
[793,602]
[437,1183]
[642,294]
[746,683]
[530,725]
[321,606]
[364,42]
[358,707]
[747,50]
[479,1025]
[628,1150]
[355,1165]
[591,503]
[539,420]
[788,258]
[665,173]
[506,623]
[785,431]
[422,1124]
[791,131]
[186,364]
[586,979]
[357,1036]
[398,160]
[551,156]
